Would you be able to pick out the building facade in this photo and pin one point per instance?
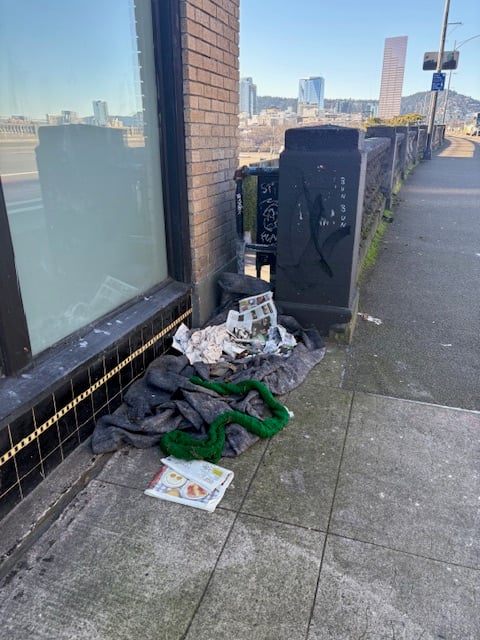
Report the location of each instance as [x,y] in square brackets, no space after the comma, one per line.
[100,112]
[110,237]
[311,92]
[393,69]
[248,96]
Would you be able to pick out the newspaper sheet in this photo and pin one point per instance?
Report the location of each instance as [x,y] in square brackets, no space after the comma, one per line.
[181,484]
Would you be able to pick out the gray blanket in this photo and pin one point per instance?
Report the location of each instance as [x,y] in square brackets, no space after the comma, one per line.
[164,399]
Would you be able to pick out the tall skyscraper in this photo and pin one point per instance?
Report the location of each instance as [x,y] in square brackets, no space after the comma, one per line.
[311,91]
[100,112]
[392,76]
[248,96]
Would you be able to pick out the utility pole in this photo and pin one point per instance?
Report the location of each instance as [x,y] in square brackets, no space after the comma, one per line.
[433,101]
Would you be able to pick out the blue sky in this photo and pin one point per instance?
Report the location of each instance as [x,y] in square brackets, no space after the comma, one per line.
[57,55]
[343,41]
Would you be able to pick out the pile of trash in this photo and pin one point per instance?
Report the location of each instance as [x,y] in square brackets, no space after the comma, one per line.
[251,330]
[248,340]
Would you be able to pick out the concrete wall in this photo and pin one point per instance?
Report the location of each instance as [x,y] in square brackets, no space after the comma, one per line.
[210,31]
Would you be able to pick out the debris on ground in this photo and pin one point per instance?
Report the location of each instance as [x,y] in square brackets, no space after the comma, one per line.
[369,318]
[166,399]
[250,330]
[196,483]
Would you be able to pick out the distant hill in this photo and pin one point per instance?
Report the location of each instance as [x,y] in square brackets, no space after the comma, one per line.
[458,105]
[265,102]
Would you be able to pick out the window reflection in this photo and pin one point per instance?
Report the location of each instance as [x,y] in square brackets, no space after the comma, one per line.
[82,184]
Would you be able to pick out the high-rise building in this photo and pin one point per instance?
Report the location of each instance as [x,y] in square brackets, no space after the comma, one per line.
[311,91]
[248,96]
[100,112]
[392,76]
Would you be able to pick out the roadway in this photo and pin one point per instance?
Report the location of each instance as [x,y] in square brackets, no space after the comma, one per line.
[21,187]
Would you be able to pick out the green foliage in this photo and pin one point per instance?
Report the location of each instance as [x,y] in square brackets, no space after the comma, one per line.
[372,121]
[374,248]
[396,188]
[397,121]
[405,120]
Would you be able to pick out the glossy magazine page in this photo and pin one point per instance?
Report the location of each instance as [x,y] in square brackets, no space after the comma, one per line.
[172,486]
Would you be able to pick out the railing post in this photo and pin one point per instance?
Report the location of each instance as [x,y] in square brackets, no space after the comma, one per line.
[239,175]
[321,192]
[383,131]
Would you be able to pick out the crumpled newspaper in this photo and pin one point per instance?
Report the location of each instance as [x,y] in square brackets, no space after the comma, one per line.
[247,332]
[215,343]
[201,345]
[369,318]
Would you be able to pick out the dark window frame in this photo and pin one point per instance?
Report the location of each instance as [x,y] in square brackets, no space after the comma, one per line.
[168,65]
[14,339]
[15,349]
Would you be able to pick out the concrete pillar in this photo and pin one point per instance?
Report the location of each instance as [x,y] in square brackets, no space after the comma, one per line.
[384,131]
[321,189]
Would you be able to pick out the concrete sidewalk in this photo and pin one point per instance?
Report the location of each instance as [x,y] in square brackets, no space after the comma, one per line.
[425,287]
[359,520]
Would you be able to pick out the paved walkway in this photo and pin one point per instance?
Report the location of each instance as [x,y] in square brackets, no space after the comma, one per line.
[426,288]
[359,521]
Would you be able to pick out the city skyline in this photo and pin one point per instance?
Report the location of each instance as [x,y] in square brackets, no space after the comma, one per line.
[345,44]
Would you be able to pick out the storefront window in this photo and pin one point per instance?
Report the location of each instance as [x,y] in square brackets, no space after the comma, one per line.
[80,159]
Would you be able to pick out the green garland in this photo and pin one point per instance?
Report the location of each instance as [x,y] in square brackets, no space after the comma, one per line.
[182,445]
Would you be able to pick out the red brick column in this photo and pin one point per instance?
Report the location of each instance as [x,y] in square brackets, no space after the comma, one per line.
[210,32]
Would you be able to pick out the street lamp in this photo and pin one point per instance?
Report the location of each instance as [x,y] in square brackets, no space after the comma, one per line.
[455,48]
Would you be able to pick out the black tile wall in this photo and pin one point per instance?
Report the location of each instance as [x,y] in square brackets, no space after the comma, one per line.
[126,372]
[31,479]
[63,395]
[52,461]
[81,382]
[49,440]
[85,430]
[70,443]
[138,363]
[9,499]
[9,486]
[147,334]
[43,449]
[68,427]
[99,396]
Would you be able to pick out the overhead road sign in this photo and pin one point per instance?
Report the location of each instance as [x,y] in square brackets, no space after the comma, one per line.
[449,60]
[438,82]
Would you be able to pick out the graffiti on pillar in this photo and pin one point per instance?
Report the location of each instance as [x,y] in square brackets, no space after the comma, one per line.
[267,215]
[319,219]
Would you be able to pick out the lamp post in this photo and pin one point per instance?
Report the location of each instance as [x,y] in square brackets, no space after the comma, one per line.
[433,101]
[455,48]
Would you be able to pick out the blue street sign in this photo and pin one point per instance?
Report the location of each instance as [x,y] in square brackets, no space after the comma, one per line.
[438,82]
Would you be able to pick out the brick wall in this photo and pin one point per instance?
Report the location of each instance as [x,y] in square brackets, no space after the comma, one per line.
[210,31]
